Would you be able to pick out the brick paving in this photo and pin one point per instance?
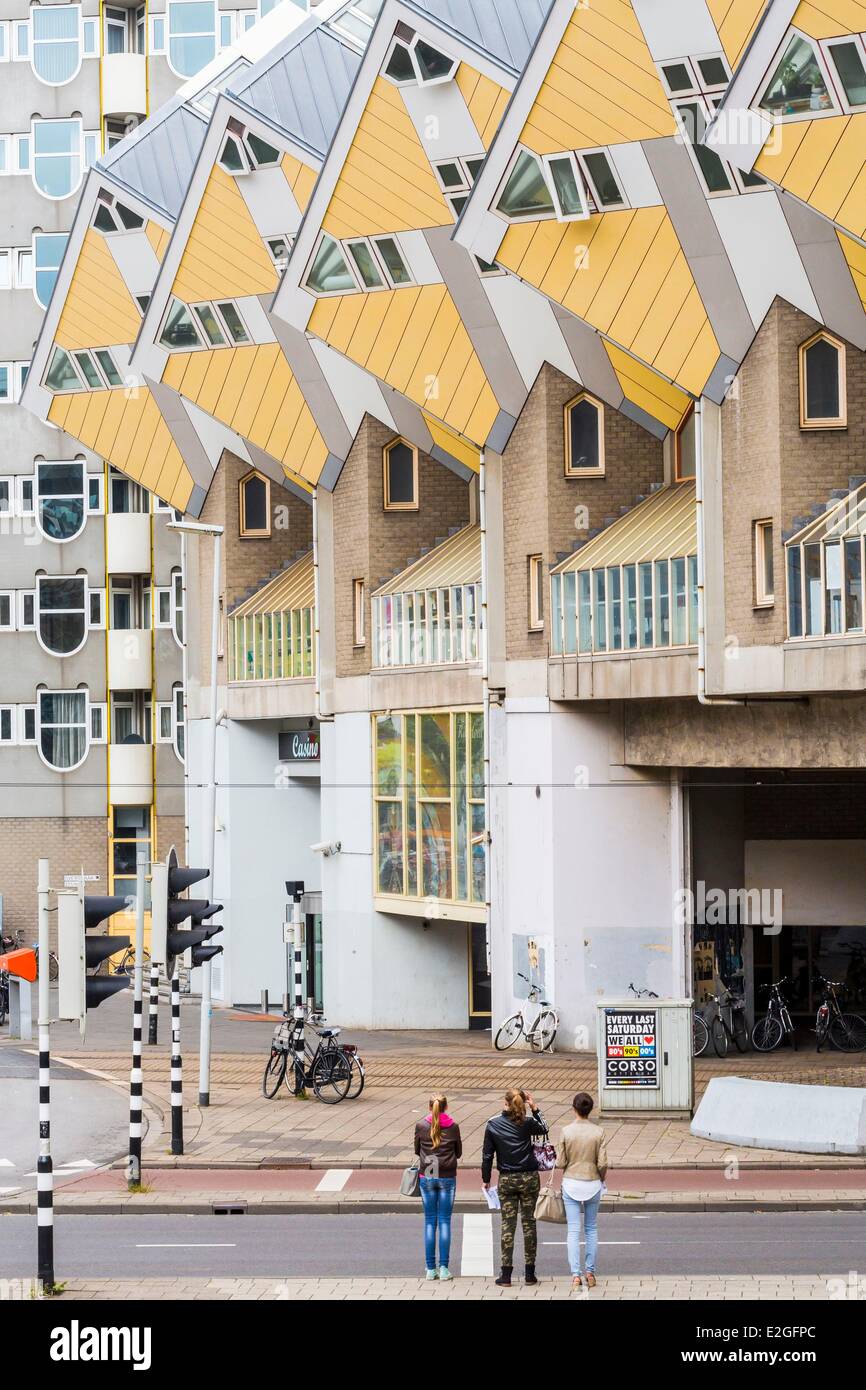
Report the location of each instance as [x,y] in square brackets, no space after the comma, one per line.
[669,1288]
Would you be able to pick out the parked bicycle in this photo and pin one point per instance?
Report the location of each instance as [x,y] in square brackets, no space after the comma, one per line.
[728,1023]
[331,1071]
[536,1020]
[642,993]
[700,1035]
[4,996]
[847,1032]
[769,1031]
[126,964]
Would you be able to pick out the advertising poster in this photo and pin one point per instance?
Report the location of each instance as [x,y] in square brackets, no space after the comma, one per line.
[630,1048]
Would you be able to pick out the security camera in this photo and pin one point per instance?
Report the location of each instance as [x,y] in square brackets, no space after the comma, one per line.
[326,847]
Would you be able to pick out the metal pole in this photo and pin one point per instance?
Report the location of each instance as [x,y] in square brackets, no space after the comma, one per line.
[153,1005]
[297,923]
[133,1170]
[176,1069]
[44,1170]
[210,830]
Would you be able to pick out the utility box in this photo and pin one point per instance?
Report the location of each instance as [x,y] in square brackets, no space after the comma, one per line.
[645,1057]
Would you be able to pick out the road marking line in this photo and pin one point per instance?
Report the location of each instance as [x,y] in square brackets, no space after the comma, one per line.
[518,1062]
[6,1163]
[477,1253]
[189,1245]
[8,1191]
[334,1180]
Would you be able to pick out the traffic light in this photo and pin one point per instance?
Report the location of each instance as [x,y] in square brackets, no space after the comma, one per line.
[169,909]
[79,953]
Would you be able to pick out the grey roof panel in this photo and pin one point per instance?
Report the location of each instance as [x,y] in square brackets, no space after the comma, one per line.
[506,30]
[305,91]
[157,160]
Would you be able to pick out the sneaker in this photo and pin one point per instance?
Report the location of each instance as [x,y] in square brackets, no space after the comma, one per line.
[431,1274]
[445,1272]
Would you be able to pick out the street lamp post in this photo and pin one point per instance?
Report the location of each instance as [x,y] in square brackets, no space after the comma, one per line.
[202,528]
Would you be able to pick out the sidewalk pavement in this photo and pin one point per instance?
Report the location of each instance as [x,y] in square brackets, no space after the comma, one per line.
[362,1191]
[675,1288]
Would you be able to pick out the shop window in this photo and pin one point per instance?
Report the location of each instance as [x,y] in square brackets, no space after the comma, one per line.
[255,505]
[584,437]
[191,35]
[400,462]
[60,496]
[798,85]
[823,397]
[685,448]
[63,728]
[359,612]
[62,605]
[429,805]
[56,42]
[535,589]
[48,249]
[763,547]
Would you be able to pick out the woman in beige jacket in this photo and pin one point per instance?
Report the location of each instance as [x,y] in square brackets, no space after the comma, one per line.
[583,1157]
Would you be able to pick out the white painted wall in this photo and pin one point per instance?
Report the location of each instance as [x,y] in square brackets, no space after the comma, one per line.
[823,882]
[264,837]
[380,970]
[586,867]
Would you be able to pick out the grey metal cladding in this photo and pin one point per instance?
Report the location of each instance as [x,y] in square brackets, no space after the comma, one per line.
[827,270]
[462,281]
[640,417]
[313,383]
[702,245]
[305,91]
[158,159]
[504,30]
[592,365]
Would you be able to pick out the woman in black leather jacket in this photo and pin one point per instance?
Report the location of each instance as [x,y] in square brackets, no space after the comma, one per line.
[508,1139]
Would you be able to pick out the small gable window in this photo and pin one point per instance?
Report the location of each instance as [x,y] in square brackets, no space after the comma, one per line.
[255,505]
[584,437]
[400,476]
[823,403]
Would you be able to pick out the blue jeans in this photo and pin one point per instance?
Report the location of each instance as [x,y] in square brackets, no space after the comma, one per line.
[590,1221]
[437,1195]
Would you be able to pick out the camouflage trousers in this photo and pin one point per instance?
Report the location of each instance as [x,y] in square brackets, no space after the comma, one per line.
[518,1192]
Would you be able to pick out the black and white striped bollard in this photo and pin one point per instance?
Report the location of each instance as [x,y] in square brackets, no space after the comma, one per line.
[133,1170]
[153,1005]
[296,889]
[44,1168]
[176,1070]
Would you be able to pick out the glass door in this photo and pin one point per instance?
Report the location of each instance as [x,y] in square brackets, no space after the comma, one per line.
[480,999]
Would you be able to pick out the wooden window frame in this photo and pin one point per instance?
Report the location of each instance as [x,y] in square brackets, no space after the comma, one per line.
[388,505]
[244,531]
[535,592]
[839,422]
[359,612]
[760,528]
[570,472]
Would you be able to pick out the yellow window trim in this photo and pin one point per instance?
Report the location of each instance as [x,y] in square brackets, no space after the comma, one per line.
[570,471]
[839,422]
[246,532]
[390,506]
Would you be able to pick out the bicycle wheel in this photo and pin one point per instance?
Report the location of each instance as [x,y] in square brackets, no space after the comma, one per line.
[508,1034]
[274,1073]
[700,1035]
[741,1032]
[767,1034]
[848,1033]
[53,967]
[295,1079]
[332,1077]
[356,1085]
[719,1034]
[544,1032]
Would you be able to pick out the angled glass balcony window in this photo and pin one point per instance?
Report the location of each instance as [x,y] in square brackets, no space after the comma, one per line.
[430,613]
[824,566]
[271,634]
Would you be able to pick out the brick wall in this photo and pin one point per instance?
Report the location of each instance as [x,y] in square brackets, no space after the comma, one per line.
[825,806]
[371,543]
[247,562]
[540,502]
[773,468]
[170,831]
[67,842]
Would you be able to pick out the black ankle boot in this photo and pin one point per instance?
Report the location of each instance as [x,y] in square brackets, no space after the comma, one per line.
[505,1276]
[530,1275]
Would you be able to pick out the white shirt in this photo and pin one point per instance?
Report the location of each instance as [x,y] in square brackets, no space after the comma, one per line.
[580,1191]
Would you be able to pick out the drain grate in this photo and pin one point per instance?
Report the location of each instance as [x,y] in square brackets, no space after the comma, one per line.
[228,1208]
